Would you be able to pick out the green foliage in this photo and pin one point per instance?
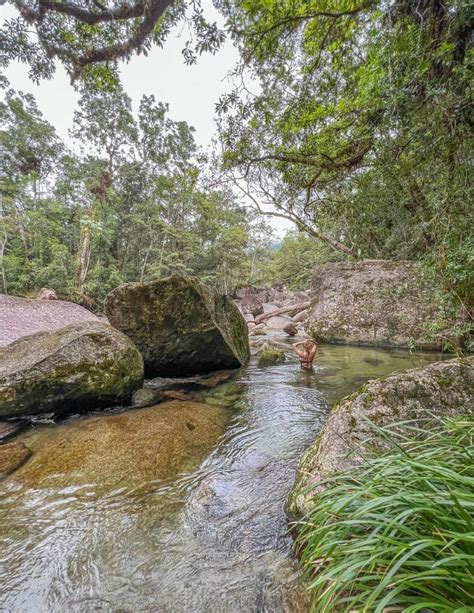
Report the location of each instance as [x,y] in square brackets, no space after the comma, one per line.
[131,206]
[362,131]
[90,38]
[293,262]
[398,531]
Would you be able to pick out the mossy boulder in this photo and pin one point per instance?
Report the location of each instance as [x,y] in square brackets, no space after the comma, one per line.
[378,302]
[180,326]
[440,389]
[269,356]
[21,316]
[84,365]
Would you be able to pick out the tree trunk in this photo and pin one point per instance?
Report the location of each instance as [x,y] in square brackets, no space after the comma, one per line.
[84,259]
[294,308]
[145,261]
[3,242]
[84,249]
[334,244]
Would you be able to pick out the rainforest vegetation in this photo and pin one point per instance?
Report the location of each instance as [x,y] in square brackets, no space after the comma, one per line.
[352,121]
[360,133]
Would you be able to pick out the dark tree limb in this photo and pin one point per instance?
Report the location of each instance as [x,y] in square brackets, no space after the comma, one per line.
[126,11]
[154,10]
[150,11]
[299,222]
[79,13]
[354,157]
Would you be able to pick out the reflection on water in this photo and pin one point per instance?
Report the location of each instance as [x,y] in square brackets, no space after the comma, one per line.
[214,538]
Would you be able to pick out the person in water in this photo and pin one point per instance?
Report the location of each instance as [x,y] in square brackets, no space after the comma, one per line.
[306,350]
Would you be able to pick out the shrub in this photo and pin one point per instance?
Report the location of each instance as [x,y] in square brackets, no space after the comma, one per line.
[397,533]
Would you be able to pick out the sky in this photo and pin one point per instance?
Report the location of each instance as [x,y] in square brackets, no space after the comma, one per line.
[190,91]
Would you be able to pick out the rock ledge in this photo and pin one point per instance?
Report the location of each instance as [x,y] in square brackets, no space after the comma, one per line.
[441,389]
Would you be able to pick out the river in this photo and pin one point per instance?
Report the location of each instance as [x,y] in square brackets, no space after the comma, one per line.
[213,538]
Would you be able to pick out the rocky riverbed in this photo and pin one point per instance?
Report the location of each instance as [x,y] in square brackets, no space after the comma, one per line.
[168,508]
[181,505]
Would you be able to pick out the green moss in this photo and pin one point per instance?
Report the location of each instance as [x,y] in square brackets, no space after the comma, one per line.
[77,367]
[269,356]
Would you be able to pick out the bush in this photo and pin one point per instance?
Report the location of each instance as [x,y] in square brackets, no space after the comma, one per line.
[398,532]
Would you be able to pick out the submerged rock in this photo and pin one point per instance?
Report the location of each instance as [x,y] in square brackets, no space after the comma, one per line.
[85,365]
[12,456]
[180,326]
[195,381]
[440,389]
[145,397]
[22,316]
[126,449]
[375,302]
[8,429]
[269,356]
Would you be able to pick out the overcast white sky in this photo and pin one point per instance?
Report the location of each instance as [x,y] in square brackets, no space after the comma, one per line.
[190,91]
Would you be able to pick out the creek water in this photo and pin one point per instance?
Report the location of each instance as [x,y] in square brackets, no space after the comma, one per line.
[212,536]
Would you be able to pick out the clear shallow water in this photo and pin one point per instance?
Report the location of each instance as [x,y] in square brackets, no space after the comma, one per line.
[214,538]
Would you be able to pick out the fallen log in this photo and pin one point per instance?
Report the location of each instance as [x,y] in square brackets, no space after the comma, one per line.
[293,308]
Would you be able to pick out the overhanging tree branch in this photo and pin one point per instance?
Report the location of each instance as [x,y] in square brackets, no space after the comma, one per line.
[296,20]
[150,11]
[125,11]
[354,157]
[298,221]
[154,10]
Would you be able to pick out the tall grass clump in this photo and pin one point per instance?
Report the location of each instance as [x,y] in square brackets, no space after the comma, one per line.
[397,533]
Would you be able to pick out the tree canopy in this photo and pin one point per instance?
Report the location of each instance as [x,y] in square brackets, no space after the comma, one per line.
[362,130]
[132,206]
[359,132]
[89,36]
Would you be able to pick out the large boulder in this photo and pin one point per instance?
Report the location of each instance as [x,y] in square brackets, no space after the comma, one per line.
[376,302]
[84,365]
[180,326]
[440,389]
[278,322]
[46,294]
[22,316]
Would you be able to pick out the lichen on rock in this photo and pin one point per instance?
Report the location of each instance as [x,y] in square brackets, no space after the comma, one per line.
[377,302]
[84,365]
[23,316]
